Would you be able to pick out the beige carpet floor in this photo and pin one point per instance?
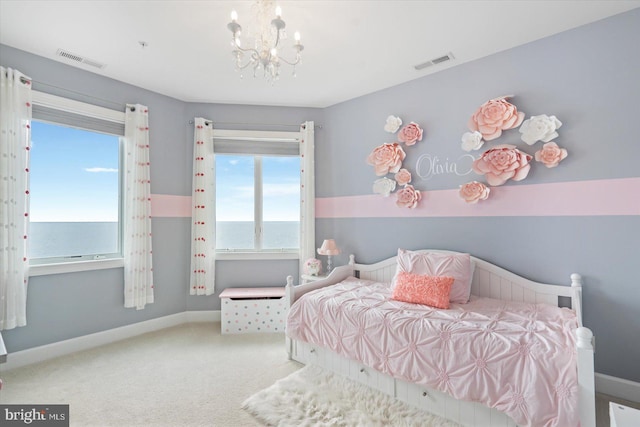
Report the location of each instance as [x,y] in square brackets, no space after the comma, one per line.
[189,375]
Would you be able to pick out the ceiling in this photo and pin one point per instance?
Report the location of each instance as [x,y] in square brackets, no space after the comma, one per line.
[351,47]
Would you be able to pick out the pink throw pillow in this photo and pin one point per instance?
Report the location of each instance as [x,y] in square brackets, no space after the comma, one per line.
[457,266]
[428,290]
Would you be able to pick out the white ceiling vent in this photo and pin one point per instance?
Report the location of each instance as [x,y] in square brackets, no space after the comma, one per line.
[444,58]
[80,59]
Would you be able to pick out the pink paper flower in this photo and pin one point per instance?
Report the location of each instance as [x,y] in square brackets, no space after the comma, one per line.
[410,134]
[386,158]
[408,197]
[501,163]
[550,154]
[494,116]
[473,191]
[403,177]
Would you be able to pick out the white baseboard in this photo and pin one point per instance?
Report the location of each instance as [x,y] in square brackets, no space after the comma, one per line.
[203,316]
[61,348]
[618,387]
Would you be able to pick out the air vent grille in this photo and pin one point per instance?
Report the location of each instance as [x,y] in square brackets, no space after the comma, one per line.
[80,59]
[444,58]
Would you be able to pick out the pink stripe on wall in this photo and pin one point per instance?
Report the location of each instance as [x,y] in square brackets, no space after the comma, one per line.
[165,205]
[578,198]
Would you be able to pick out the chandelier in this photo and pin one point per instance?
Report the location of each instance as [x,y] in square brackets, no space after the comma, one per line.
[265,36]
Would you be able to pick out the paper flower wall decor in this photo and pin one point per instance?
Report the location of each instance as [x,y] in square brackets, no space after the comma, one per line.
[473,191]
[393,124]
[472,141]
[539,128]
[408,197]
[386,158]
[494,116]
[505,162]
[502,163]
[410,134]
[403,177]
[312,266]
[384,186]
[550,154]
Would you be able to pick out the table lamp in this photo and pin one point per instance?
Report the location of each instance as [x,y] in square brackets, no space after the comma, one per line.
[329,248]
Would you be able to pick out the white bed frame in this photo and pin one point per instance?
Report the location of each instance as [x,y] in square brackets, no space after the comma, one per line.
[488,281]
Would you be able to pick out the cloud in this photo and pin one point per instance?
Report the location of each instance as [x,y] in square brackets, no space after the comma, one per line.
[96,170]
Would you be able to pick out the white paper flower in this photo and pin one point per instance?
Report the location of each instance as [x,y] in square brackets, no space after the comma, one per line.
[472,141]
[540,128]
[393,124]
[384,186]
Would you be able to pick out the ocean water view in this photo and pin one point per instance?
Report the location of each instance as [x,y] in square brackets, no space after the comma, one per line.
[240,235]
[66,239]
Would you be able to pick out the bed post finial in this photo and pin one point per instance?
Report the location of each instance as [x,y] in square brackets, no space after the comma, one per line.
[289,291]
[576,279]
[352,259]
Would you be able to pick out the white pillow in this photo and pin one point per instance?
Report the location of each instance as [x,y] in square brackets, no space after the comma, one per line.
[458,266]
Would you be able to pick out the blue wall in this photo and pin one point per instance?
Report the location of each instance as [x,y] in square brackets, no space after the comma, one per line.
[587,77]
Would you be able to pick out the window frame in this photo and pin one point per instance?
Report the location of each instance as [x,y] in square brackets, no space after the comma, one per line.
[56,265]
[248,138]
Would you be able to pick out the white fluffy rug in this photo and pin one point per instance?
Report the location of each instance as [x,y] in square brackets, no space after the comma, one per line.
[312,396]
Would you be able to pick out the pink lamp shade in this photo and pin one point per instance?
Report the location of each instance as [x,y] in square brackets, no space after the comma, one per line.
[329,248]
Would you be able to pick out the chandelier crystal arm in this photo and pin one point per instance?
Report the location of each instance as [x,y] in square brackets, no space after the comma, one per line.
[296,62]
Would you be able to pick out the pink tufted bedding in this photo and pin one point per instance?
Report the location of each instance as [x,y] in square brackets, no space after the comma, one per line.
[516,357]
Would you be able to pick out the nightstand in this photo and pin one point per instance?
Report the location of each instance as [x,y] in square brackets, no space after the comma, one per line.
[306,278]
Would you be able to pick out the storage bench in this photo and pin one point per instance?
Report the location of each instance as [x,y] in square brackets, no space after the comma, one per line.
[246,310]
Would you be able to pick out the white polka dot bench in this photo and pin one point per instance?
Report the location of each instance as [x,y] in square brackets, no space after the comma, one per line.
[251,310]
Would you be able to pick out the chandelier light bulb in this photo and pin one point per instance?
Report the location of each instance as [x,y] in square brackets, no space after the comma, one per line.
[274,52]
[278,11]
[296,36]
[234,15]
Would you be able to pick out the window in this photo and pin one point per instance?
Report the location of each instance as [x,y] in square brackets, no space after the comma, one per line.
[257,195]
[257,203]
[75,183]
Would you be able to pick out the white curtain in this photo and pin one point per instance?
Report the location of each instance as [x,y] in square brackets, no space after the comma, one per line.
[15,143]
[138,268]
[307,194]
[203,213]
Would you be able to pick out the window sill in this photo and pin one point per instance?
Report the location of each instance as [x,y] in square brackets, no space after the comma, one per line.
[72,267]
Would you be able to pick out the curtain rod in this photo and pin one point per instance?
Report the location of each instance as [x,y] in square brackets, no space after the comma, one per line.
[254,124]
[119,104]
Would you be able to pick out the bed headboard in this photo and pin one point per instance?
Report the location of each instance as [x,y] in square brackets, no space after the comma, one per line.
[492,281]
